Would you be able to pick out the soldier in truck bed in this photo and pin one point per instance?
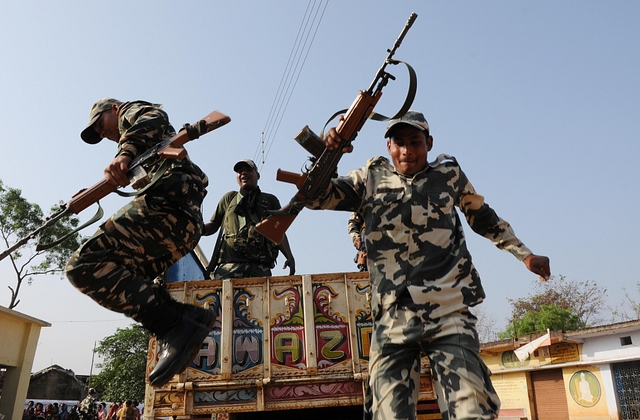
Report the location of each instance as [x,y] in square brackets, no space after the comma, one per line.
[423,280]
[243,252]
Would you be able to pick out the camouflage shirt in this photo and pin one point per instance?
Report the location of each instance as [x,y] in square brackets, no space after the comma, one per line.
[88,409]
[415,241]
[142,125]
[355,226]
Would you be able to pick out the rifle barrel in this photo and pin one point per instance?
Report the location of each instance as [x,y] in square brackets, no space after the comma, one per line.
[392,51]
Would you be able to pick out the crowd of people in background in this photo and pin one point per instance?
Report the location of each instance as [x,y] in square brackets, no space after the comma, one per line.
[127,410]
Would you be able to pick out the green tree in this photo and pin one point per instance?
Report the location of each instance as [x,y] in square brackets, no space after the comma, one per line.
[585,299]
[124,364]
[549,317]
[18,218]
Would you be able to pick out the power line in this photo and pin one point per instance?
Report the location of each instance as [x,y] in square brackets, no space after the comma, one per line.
[285,74]
[297,58]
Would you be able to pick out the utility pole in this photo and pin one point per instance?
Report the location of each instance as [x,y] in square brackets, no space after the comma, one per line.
[91,370]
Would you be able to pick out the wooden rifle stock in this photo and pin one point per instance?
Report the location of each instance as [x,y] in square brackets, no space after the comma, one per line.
[275,226]
[291,177]
[315,182]
[173,153]
[357,115]
[84,198]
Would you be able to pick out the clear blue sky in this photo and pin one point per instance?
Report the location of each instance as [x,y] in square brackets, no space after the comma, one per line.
[540,103]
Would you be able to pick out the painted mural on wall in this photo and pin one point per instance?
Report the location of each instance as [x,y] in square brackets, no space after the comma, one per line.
[585,388]
[510,360]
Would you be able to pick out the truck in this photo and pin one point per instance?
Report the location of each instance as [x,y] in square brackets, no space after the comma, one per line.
[283,346]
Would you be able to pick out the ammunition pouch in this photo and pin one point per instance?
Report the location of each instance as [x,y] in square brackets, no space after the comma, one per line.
[255,247]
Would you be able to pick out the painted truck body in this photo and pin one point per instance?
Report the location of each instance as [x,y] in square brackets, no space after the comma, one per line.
[278,344]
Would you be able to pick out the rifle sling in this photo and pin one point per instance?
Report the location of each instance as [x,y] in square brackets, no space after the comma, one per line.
[411,94]
[95,218]
[159,173]
[215,257]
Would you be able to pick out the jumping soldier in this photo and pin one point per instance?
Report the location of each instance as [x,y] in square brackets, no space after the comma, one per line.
[117,266]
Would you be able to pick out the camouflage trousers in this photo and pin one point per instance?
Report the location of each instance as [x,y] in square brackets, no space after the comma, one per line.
[117,266]
[241,270]
[461,378]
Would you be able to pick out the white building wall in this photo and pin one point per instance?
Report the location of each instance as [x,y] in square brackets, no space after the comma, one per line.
[608,348]
[605,350]
[609,390]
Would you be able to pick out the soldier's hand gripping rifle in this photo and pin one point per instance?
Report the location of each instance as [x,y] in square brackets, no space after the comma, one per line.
[168,149]
[315,181]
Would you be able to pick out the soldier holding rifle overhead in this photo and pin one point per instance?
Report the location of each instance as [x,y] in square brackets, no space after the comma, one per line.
[117,266]
[423,280]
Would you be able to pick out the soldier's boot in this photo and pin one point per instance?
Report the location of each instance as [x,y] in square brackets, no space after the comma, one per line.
[180,343]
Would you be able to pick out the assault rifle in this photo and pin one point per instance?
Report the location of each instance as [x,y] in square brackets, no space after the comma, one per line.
[170,148]
[325,163]
[215,256]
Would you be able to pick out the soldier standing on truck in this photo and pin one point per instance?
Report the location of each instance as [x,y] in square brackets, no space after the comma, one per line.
[241,251]
[423,280]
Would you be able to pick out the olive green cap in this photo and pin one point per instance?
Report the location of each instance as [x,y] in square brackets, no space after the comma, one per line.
[412,118]
[89,135]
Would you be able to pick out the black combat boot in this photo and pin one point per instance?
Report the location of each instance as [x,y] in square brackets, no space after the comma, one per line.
[180,344]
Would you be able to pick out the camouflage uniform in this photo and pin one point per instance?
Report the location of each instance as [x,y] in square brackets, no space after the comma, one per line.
[88,409]
[355,227]
[116,267]
[423,283]
[244,252]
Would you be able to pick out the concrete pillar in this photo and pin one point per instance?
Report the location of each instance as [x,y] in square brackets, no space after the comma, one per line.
[20,335]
